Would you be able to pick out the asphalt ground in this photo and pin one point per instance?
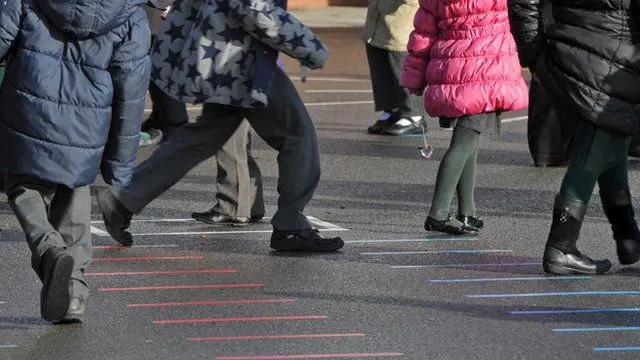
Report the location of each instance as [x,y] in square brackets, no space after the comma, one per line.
[191,291]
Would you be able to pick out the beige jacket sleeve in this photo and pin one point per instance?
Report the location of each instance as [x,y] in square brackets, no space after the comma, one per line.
[389,23]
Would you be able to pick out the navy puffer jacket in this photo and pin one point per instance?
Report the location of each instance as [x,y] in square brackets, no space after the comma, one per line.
[73,95]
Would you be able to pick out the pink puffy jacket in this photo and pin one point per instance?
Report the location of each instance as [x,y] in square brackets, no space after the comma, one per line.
[464,53]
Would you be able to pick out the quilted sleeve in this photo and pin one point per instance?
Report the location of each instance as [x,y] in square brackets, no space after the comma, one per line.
[10,18]
[525,17]
[278,29]
[421,40]
[130,69]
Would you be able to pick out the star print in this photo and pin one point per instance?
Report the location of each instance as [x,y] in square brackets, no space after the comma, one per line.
[170,83]
[282,39]
[193,72]
[194,45]
[225,80]
[193,16]
[318,43]
[157,45]
[182,92]
[285,18]
[173,57]
[174,32]
[155,73]
[229,32]
[297,41]
[206,26]
[210,52]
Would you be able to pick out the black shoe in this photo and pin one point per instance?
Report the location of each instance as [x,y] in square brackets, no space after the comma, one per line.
[215,218]
[308,240]
[379,126]
[557,262]
[57,265]
[449,226]
[619,211]
[415,127]
[75,314]
[117,218]
[471,221]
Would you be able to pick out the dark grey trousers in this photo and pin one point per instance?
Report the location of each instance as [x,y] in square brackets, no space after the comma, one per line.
[239,181]
[385,68]
[284,124]
[53,215]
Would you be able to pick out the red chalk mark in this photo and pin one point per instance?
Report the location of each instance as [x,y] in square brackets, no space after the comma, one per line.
[150,258]
[183,287]
[272,337]
[211,303]
[310,356]
[162,272]
[239,319]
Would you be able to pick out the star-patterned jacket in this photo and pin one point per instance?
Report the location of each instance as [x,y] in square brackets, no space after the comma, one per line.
[225,51]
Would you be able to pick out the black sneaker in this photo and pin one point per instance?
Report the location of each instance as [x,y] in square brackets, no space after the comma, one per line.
[308,240]
[117,218]
[415,127]
[56,268]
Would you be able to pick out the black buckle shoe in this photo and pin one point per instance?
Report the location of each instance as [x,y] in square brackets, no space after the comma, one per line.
[414,128]
[117,218]
[378,127]
[57,265]
[559,263]
[471,221]
[449,226]
[213,217]
[308,240]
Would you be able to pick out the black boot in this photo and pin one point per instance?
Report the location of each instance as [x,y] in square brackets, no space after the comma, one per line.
[619,211]
[561,257]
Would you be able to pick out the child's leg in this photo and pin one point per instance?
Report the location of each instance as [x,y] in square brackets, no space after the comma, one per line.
[30,198]
[466,186]
[70,214]
[464,144]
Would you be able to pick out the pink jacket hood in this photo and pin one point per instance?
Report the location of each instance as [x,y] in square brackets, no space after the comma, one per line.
[463,52]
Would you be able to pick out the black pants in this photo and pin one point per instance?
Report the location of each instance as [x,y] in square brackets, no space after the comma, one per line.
[386,69]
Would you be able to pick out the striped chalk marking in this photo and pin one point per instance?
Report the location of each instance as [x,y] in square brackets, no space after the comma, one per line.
[150,258]
[311,356]
[549,294]
[507,279]
[463,265]
[575,311]
[597,329]
[183,287]
[273,337]
[211,303]
[163,272]
[239,319]
[444,239]
[619,348]
[435,252]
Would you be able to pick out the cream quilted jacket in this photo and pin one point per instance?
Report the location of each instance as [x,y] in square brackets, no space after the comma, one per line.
[389,23]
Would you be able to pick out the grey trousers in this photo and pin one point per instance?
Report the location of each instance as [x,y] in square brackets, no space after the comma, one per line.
[239,181]
[284,124]
[53,215]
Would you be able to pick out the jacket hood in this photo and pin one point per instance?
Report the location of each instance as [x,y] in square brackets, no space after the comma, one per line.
[88,18]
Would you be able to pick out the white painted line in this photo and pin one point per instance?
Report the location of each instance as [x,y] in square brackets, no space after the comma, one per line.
[325,225]
[331,103]
[410,240]
[98,232]
[150,220]
[435,252]
[217,232]
[363,91]
[2,302]
[514,119]
[331,79]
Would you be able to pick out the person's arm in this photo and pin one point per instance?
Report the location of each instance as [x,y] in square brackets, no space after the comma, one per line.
[278,29]
[130,69]
[525,17]
[10,18]
[420,42]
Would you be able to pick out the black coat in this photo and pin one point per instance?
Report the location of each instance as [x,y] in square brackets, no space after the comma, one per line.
[588,58]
